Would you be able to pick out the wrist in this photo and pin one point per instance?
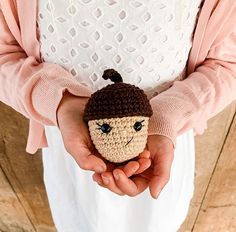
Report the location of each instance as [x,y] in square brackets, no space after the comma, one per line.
[165,139]
[69,102]
[163,126]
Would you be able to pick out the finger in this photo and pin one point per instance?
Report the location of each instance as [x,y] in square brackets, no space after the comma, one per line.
[139,165]
[130,168]
[161,173]
[87,161]
[144,163]
[109,183]
[156,185]
[141,183]
[80,147]
[147,174]
[145,154]
[97,178]
[100,183]
[127,185]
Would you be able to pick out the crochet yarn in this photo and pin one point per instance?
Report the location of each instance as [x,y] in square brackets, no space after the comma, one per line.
[117,100]
[123,142]
[117,116]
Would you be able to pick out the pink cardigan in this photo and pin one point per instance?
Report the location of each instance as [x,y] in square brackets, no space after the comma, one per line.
[35,89]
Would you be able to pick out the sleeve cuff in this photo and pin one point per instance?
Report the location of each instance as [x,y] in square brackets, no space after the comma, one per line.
[48,92]
[162,125]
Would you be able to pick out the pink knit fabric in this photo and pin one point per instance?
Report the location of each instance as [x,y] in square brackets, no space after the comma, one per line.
[35,89]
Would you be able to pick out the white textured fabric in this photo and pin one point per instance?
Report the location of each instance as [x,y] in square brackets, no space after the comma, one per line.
[148,42]
[78,204]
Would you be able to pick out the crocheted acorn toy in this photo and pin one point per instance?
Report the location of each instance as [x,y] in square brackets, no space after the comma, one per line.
[117,116]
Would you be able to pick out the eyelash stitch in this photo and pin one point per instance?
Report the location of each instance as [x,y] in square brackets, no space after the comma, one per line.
[100,127]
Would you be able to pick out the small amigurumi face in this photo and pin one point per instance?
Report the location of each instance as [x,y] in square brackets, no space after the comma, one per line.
[119,139]
[117,116]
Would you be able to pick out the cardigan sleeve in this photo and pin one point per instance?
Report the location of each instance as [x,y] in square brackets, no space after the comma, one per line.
[189,103]
[32,88]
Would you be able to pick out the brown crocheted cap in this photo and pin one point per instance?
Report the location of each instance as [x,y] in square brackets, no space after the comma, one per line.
[117,100]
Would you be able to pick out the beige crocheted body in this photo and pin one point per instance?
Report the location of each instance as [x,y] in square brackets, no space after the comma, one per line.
[123,142]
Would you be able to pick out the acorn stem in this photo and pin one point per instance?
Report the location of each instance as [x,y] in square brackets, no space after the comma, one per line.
[113,75]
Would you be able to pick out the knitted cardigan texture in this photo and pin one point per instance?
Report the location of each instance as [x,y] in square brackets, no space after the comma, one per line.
[35,89]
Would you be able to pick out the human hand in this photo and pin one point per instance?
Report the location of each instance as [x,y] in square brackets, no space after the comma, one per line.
[162,155]
[156,176]
[76,135]
[136,165]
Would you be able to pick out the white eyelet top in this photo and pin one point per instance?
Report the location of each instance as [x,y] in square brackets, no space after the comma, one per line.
[146,41]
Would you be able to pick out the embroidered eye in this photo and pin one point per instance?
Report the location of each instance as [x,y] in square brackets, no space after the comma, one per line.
[105,128]
[138,126]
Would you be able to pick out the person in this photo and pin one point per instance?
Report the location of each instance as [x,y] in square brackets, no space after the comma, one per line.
[149,43]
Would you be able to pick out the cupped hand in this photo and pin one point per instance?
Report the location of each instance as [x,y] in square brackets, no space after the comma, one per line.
[162,154]
[78,143]
[156,176]
[75,133]
[136,165]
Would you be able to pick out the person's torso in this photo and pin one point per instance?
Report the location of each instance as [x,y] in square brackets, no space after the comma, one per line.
[146,41]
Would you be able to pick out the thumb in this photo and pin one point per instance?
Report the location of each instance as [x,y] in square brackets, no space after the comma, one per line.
[81,148]
[78,143]
[87,159]
[161,173]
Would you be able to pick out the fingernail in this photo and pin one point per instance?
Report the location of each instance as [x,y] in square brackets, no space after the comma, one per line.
[99,182]
[99,169]
[116,175]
